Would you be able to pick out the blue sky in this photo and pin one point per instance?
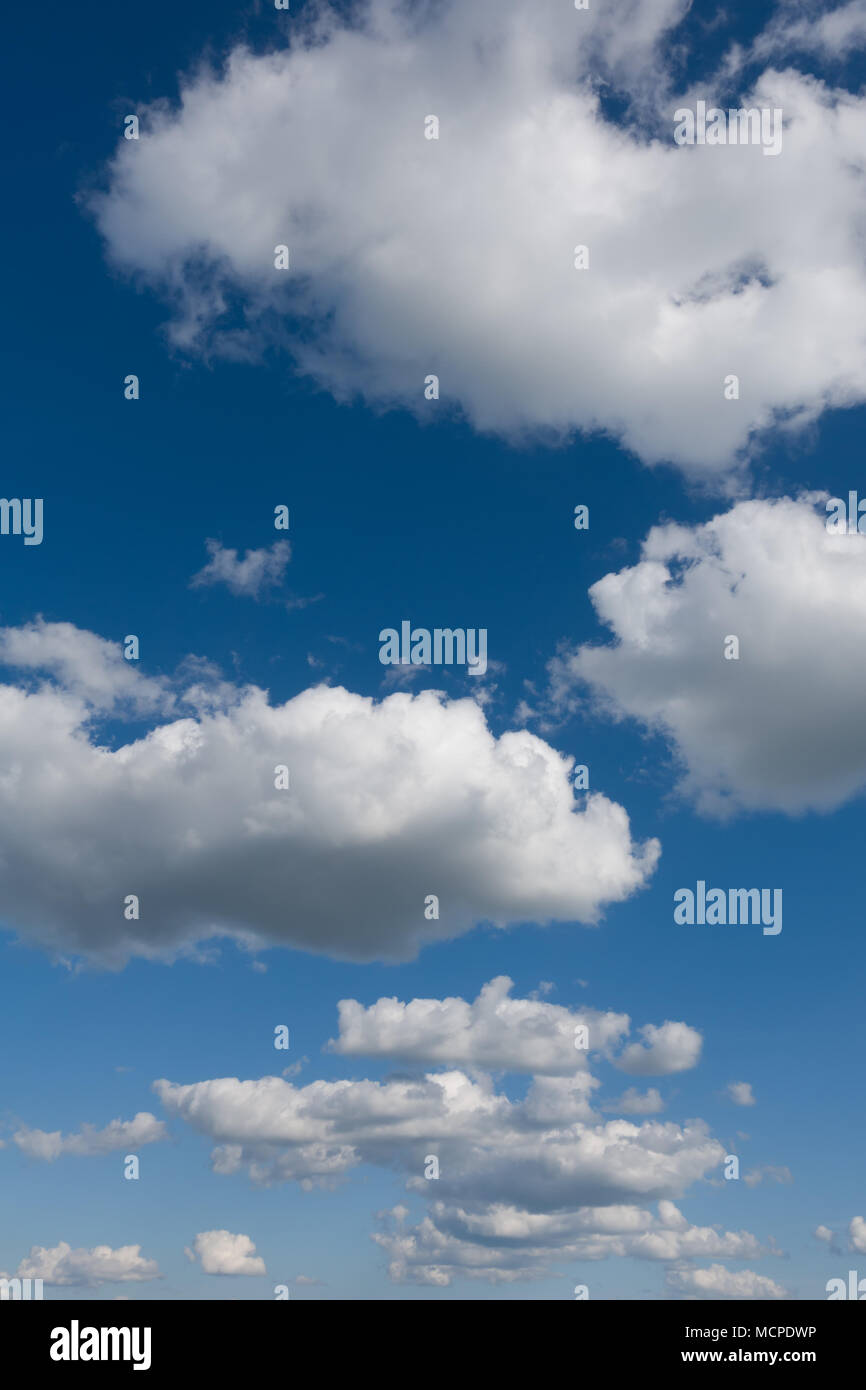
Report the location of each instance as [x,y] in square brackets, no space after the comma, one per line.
[453,513]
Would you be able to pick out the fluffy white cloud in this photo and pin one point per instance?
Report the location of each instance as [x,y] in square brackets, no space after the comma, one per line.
[635,1102]
[501,1244]
[88,667]
[857,1234]
[221,1252]
[544,1151]
[247,577]
[668,1048]
[521,1184]
[823,1233]
[455,256]
[718,1282]
[740,1092]
[88,1268]
[782,727]
[833,34]
[494,1032]
[498,1032]
[389,802]
[144,1128]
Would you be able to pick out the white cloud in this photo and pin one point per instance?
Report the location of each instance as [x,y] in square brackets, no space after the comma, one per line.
[857,1234]
[87,667]
[389,802]
[495,1032]
[668,1048]
[522,1185]
[547,1149]
[718,1282]
[834,34]
[781,728]
[635,1102]
[455,256]
[769,1172]
[144,1128]
[248,577]
[740,1092]
[823,1233]
[502,1244]
[87,1268]
[221,1252]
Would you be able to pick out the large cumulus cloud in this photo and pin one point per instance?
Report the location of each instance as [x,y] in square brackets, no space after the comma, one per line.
[388,803]
[455,256]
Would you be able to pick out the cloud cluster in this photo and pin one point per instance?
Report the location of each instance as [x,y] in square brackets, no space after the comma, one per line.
[532,1182]
[718,1282]
[514,1186]
[548,1147]
[497,1032]
[456,256]
[502,1244]
[388,802]
[779,728]
[87,1268]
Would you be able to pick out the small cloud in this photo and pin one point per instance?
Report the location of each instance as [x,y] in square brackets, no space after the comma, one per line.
[857,1234]
[221,1252]
[669,1048]
[248,577]
[144,1128]
[767,1173]
[296,1067]
[544,987]
[296,602]
[740,1092]
[404,674]
[635,1102]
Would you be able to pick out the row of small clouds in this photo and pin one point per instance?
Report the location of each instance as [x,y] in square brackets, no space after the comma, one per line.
[523,1186]
[216,1252]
